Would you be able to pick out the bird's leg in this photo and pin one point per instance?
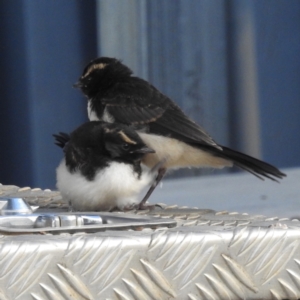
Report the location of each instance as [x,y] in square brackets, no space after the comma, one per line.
[159,177]
[70,208]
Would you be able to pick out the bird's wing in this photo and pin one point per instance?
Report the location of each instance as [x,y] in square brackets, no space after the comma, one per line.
[135,103]
[174,123]
[142,104]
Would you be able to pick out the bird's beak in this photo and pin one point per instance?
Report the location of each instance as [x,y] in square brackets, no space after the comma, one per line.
[78,85]
[144,150]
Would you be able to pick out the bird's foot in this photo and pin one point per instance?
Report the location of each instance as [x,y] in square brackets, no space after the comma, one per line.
[70,208]
[144,206]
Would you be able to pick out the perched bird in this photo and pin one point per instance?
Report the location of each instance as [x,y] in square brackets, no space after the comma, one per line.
[115,95]
[101,168]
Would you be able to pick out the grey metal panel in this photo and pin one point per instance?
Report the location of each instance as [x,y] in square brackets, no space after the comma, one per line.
[245,116]
[122,32]
[208,255]
[187,59]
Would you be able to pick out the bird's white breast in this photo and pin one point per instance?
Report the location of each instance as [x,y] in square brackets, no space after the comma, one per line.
[91,113]
[114,186]
[106,117]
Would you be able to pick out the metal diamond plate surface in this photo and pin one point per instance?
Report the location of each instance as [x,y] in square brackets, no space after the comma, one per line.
[207,255]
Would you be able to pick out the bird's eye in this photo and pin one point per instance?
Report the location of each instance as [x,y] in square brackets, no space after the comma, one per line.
[125,146]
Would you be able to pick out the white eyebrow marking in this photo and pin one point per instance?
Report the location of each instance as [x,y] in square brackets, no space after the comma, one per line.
[94,67]
[126,138]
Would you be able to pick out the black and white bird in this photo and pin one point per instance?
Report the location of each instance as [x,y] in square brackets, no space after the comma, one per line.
[115,95]
[101,169]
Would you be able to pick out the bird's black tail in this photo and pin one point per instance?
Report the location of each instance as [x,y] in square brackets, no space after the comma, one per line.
[61,139]
[255,166]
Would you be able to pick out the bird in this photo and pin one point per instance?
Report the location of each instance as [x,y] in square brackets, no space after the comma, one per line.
[101,169]
[114,94]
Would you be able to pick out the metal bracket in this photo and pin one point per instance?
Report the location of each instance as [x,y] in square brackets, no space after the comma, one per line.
[18,217]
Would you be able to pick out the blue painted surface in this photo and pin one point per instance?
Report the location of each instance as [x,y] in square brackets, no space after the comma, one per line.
[15,136]
[44,45]
[189,55]
[278,63]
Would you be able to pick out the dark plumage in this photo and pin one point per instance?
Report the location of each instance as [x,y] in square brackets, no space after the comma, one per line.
[115,95]
[101,169]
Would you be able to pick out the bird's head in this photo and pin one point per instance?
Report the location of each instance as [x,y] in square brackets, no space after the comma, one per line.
[96,141]
[99,74]
[123,143]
